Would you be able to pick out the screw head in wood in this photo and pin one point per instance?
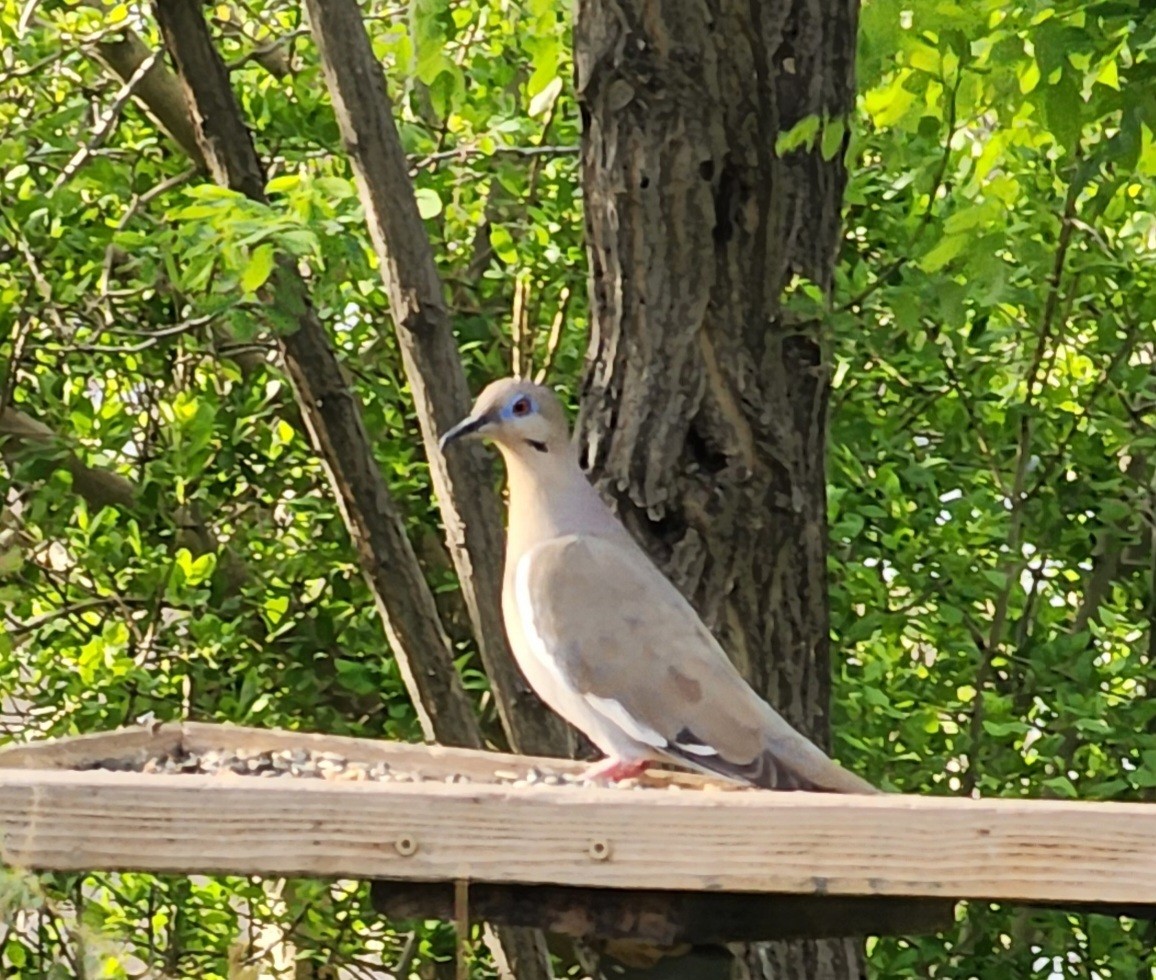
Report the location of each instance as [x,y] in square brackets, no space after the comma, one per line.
[406,845]
[599,850]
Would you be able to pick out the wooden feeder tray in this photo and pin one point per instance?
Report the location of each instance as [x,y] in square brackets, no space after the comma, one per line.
[669,858]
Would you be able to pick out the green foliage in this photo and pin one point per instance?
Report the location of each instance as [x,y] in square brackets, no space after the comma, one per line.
[992,447]
[991,461]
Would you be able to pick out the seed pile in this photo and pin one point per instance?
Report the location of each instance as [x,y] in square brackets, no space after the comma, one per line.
[283,762]
[306,764]
[303,763]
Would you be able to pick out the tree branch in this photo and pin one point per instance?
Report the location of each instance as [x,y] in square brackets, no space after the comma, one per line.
[429,353]
[328,407]
[105,124]
[1015,561]
[157,91]
[100,488]
[463,153]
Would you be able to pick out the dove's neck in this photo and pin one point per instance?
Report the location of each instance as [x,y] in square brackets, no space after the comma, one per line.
[550,497]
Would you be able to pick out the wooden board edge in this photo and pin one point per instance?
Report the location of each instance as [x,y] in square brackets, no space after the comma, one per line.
[918,848]
[84,751]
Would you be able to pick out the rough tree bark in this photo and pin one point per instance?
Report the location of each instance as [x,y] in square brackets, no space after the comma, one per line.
[705,402]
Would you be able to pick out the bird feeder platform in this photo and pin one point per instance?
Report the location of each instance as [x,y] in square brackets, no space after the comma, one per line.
[666,859]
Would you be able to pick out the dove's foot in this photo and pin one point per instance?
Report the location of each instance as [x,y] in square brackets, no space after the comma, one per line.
[612,770]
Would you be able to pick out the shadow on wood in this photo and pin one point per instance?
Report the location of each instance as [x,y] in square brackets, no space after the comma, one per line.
[668,918]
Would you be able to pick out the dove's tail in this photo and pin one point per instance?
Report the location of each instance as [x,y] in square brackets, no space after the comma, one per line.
[789,762]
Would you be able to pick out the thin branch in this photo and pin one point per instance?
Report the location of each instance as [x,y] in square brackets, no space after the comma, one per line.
[536,162]
[520,355]
[1109,555]
[23,71]
[555,335]
[1015,561]
[105,124]
[962,394]
[138,202]
[175,330]
[1023,448]
[1045,473]
[27,12]
[17,629]
[43,286]
[270,55]
[23,331]
[99,487]
[406,958]
[464,153]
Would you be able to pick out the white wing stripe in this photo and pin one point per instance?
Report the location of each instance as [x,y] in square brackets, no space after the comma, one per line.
[703,750]
[526,607]
[613,710]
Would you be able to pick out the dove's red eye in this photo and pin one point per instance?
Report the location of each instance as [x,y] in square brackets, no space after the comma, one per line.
[521,407]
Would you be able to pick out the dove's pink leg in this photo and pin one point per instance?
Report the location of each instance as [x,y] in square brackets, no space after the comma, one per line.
[611,770]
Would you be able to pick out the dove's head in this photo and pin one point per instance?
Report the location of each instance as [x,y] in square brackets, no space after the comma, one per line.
[519,416]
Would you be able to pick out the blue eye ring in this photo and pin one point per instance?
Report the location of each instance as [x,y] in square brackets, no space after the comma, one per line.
[522,407]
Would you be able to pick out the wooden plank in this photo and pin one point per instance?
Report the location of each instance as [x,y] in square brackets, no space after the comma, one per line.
[796,843]
[666,918]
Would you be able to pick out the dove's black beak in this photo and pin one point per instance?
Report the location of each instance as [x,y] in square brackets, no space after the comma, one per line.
[466,427]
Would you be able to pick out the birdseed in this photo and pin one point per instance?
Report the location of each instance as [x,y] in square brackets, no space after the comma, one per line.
[302,763]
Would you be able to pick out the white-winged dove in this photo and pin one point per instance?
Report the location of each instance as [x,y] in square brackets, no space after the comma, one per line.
[604,637]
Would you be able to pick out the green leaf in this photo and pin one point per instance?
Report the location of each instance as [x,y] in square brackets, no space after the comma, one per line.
[1028,75]
[1109,74]
[946,249]
[275,607]
[16,954]
[284,184]
[801,135]
[11,561]
[889,104]
[544,101]
[356,676]
[259,267]
[429,204]
[1004,729]
[834,133]
[1063,108]
[1061,786]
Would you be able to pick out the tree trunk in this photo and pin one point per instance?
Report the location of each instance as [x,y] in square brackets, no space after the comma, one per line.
[704,407]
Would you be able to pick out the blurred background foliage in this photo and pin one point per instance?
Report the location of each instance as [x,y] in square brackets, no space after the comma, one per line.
[169,547]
